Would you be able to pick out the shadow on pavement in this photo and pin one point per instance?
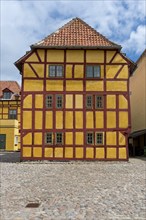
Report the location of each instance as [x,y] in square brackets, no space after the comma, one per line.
[9,157]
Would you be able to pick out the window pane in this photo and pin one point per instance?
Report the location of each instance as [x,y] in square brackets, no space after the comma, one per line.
[89,102]
[97,71]
[59,101]
[7,95]
[59,138]
[59,71]
[49,101]
[89,71]
[89,138]
[99,138]
[48,138]
[12,114]
[99,101]
[52,71]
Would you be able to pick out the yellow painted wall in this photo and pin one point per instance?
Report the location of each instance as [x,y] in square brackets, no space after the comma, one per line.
[79,119]
[111,119]
[69,101]
[5,106]
[94,85]
[95,56]
[55,56]
[72,85]
[75,56]
[9,127]
[68,119]
[75,68]
[111,101]
[99,119]
[116,86]
[33,85]
[54,85]
[79,71]
[89,119]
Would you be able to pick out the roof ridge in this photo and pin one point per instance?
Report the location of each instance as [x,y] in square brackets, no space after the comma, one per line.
[76,33]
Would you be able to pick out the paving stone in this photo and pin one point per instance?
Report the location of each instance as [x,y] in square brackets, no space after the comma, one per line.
[73,190]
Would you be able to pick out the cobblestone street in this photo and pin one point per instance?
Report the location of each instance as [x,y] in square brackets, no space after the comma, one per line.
[72,190]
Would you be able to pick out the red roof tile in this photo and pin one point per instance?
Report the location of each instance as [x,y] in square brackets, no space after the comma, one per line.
[13,86]
[76,33]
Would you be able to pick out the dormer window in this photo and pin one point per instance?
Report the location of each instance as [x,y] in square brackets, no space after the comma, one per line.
[7,95]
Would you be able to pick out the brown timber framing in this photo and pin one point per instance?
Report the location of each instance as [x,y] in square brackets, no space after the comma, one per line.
[84,110]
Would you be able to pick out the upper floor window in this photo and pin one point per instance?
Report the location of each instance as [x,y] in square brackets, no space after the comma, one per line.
[89,101]
[93,71]
[59,101]
[12,114]
[7,95]
[55,70]
[49,101]
[99,101]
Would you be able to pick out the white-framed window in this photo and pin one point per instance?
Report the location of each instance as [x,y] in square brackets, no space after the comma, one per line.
[55,70]
[89,101]
[59,138]
[99,102]
[7,95]
[12,114]
[49,101]
[93,71]
[90,138]
[59,101]
[49,138]
[99,138]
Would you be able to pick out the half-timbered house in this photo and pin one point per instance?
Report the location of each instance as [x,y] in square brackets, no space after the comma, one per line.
[9,115]
[75,97]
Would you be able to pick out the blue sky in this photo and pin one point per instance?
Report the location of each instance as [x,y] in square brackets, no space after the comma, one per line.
[24,23]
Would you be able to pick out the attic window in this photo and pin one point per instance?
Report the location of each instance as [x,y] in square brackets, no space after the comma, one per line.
[7,95]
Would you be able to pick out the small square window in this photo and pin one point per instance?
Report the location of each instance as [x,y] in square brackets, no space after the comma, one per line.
[59,138]
[99,138]
[7,95]
[59,101]
[49,101]
[99,102]
[90,138]
[12,114]
[89,101]
[49,138]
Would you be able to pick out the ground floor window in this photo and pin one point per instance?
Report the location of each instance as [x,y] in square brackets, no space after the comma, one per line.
[49,139]
[99,138]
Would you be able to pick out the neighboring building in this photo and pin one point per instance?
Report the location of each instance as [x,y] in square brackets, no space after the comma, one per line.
[138,106]
[9,116]
[75,97]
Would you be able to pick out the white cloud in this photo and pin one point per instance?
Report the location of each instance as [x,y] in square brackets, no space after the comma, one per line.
[137,40]
[26,22]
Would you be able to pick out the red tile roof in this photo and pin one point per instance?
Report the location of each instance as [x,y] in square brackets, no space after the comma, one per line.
[13,86]
[76,33]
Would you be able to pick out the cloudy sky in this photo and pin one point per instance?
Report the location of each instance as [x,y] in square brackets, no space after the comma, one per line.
[26,22]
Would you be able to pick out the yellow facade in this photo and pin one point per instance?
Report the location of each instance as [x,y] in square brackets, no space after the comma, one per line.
[74,120]
[9,127]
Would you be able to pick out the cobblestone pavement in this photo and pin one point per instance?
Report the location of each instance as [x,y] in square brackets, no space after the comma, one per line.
[72,190]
